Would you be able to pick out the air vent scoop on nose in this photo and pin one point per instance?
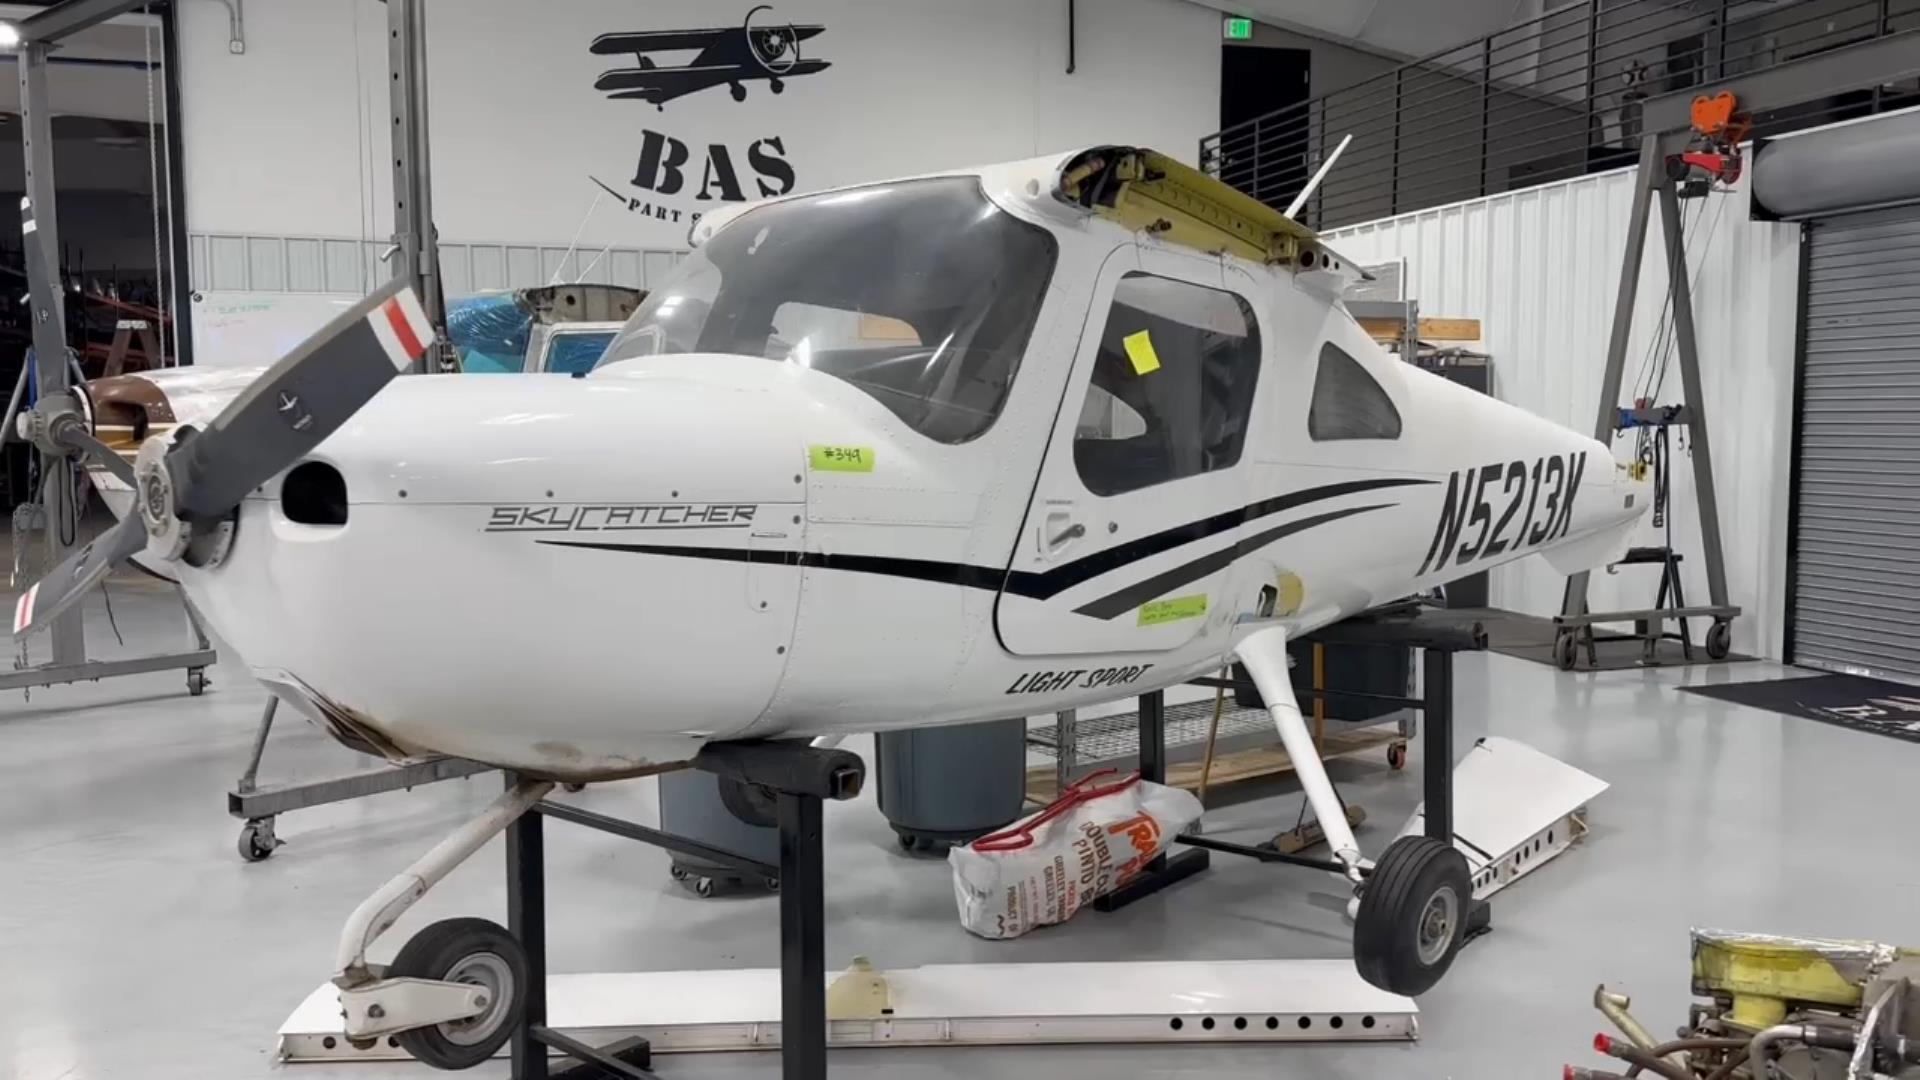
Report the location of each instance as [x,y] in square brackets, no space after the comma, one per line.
[314,493]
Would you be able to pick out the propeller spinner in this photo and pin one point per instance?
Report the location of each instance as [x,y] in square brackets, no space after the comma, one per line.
[188,487]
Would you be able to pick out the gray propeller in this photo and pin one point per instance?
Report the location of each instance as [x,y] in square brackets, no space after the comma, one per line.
[202,477]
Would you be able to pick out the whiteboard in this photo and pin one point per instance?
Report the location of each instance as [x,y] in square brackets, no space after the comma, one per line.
[246,329]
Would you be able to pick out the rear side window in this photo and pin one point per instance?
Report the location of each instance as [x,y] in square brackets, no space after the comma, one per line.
[1347,402]
[1172,386]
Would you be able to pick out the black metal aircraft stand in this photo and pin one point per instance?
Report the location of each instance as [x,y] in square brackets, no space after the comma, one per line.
[799,778]
[1438,636]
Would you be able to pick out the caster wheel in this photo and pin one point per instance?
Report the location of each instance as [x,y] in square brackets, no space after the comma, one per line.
[773,885]
[1397,756]
[1566,647]
[1719,640]
[257,841]
[574,789]
[703,888]
[676,873]
[476,952]
[776,85]
[906,842]
[739,92]
[1412,915]
[196,681]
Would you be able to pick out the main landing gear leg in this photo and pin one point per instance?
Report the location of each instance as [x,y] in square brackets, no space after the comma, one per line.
[1413,906]
[453,993]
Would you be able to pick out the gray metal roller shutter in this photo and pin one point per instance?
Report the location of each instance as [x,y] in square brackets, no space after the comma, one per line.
[1857,547]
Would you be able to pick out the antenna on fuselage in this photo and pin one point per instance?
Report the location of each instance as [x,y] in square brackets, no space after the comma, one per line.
[1306,193]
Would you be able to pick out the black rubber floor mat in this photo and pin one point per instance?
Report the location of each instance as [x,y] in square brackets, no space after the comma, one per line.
[1529,637]
[1850,701]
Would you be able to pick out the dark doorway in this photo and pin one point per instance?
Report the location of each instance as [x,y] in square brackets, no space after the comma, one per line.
[1257,81]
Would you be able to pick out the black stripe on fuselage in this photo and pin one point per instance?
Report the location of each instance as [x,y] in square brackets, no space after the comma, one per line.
[1119,603]
[1047,584]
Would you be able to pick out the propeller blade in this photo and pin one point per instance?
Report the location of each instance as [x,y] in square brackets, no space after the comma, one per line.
[47,598]
[105,455]
[300,401]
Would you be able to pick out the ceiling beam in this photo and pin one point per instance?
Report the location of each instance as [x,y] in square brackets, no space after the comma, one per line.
[70,17]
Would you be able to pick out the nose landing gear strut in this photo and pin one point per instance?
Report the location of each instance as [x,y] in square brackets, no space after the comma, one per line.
[1415,907]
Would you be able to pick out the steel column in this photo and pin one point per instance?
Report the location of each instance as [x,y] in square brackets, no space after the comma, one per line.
[1436,766]
[40,244]
[803,947]
[1574,600]
[527,921]
[416,249]
[1680,288]
[181,264]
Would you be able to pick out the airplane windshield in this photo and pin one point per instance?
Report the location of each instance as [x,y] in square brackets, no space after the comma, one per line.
[921,293]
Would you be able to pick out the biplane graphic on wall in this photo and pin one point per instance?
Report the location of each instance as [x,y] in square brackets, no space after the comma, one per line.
[757,49]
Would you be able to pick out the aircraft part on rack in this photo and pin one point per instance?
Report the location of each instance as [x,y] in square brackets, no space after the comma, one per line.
[1514,808]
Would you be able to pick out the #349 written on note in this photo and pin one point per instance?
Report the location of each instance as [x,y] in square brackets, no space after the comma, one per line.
[840,458]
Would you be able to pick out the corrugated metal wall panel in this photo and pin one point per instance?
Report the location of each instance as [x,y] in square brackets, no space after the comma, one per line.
[1857,554]
[313,264]
[1539,268]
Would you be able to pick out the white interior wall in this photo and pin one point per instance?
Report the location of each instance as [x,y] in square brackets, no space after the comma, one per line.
[289,138]
[1540,268]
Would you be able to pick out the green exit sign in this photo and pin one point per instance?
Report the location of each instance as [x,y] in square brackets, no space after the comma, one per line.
[1237,29]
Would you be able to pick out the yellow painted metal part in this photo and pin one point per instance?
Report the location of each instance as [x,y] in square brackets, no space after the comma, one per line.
[1182,205]
[1765,975]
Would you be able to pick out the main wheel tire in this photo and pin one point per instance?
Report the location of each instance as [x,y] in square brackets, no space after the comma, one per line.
[1565,650]
[471,951]
[1396,756]
[1719,640]
[1413,915]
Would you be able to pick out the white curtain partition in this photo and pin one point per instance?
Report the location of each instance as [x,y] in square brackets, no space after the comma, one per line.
[1540,268]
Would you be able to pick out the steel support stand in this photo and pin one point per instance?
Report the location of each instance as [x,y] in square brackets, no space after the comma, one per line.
[803,944]
[258,808]
[1436,765]
[1168,869]
[53,366]
[40,243]
[1650,182]
[1687,345]
[801,777]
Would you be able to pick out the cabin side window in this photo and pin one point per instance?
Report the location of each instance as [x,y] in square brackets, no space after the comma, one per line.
[1347,401]
[1172,386]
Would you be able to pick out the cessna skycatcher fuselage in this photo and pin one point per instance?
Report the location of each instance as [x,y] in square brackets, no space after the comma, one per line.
[942,450]
[950,449]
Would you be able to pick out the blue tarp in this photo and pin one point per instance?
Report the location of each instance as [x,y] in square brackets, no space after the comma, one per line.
[490,332]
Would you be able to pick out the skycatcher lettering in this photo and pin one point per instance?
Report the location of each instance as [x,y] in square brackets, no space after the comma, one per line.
[620,518]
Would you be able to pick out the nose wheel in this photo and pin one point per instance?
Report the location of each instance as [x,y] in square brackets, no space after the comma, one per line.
[471,952]
[1413,915]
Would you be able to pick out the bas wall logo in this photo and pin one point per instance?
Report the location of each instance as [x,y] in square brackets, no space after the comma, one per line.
[757,50]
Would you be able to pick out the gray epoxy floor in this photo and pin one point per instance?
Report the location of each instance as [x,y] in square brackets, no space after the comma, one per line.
[134,943]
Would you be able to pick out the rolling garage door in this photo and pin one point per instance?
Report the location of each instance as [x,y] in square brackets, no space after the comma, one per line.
[1857,546]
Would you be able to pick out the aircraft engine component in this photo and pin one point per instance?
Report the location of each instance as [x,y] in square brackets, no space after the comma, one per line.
[1789,1008]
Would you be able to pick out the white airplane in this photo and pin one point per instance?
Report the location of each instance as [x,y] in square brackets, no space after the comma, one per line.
[1033,437]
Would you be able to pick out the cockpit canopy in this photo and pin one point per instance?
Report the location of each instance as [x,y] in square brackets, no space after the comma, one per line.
[921,293]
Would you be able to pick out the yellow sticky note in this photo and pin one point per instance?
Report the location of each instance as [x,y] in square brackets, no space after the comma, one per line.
[1155,612]
[1140,351]
[840,458]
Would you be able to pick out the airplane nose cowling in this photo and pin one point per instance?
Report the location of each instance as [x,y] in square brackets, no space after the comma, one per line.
[622,539]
